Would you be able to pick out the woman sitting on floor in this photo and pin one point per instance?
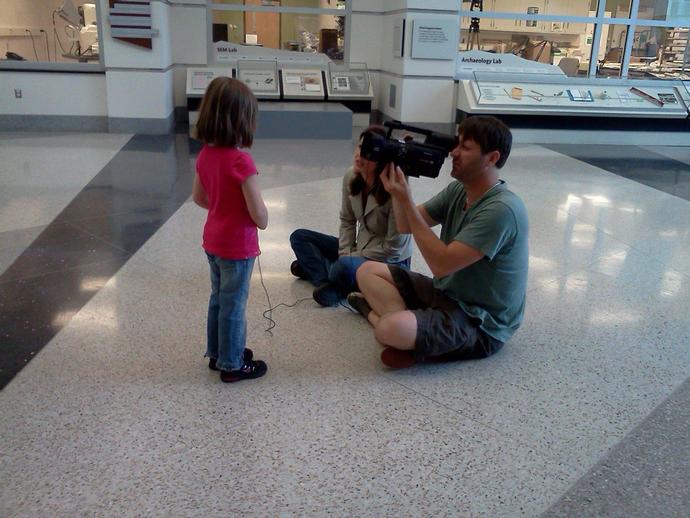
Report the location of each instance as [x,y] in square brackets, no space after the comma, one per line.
[367,233]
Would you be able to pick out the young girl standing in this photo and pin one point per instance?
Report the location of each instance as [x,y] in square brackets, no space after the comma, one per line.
[226,185]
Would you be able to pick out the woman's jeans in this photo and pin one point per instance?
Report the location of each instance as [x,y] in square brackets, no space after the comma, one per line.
[226,327]
[317,255]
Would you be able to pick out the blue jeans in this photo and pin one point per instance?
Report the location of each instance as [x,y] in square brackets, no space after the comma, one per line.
[226,328]
[317,254]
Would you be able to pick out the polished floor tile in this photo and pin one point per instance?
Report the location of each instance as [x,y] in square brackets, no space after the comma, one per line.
[115,212]
[41,173]
[137,424]
[641,164]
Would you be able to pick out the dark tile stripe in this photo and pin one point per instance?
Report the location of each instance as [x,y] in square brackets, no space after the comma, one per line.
[88,242]
[635,163]
[646,474]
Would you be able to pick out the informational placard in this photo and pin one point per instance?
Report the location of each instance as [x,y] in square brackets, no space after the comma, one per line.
[259,80]
[341,83]
[435,39]
[200,80]
[303,83]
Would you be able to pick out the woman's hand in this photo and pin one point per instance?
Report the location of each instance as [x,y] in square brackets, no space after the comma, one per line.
[394,182]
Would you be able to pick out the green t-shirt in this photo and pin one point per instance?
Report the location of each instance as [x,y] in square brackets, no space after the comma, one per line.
[492,289]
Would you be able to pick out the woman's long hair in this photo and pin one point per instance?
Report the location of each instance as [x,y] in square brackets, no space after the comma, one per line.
[357,184]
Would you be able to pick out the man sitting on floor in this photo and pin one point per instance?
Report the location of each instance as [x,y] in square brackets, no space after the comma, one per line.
[476,299]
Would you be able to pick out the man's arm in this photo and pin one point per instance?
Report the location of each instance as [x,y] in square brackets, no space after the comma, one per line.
[442,259]
[401,221]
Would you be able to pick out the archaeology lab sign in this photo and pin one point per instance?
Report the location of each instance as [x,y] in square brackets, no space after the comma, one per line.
[467,63]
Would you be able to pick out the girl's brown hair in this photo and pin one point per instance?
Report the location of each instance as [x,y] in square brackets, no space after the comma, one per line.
[357,184]
[227,116]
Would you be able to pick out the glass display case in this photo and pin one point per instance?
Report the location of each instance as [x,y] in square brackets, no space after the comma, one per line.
[261,76]
[199,78]
[553,95]
[348,81]
[303,83]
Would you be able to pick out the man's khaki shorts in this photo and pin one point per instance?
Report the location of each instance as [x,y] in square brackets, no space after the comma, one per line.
[443,328]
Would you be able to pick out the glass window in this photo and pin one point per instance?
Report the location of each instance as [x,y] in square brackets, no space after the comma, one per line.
[50,31]
[287,31]
[663,9]
[550,43]
[323,4]
[660,53]
[617,9]
[537,7]
[611,48]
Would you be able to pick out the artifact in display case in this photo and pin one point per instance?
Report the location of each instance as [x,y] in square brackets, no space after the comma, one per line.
[349,82]
[302,83]
[260,76]
[534,94]
[199,78]
[579,95]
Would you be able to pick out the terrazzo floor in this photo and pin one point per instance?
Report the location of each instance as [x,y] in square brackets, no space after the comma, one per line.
[117,414]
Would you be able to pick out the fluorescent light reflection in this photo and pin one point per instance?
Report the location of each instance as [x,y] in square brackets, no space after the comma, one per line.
[540,263]
[274,246]
[62,318]
[633,210]
[584,235]
[279,205]
[612,264]
[93,283]
[620,317]
[597,200]
[671,284]
[571,201]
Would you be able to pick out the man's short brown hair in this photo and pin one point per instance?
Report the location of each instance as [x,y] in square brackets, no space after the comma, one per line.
[227,116]
[490,133]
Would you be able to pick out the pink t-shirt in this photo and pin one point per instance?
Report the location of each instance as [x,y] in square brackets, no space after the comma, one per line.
[229,232]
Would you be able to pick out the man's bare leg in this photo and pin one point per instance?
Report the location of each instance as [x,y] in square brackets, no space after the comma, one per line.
[376,284]
[397,330]
[393,325]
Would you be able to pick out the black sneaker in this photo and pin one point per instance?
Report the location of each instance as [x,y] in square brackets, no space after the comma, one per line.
[249,371]
[297,270]
[248,355]
[358,302]
[326,295]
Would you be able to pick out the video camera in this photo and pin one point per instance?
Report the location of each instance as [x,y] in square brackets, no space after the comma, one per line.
[414,158]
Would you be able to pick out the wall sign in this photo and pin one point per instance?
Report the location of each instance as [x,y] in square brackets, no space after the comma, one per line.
[130,21]
[480,61]
[435,39]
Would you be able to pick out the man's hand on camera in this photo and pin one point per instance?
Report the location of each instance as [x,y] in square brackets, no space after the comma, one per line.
[394,182]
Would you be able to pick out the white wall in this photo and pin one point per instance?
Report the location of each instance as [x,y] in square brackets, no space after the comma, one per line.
[375,6]
[188,33]
[425,88]
[139,94]
[189,45]
[51,93]
[428,100]
[365,41]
